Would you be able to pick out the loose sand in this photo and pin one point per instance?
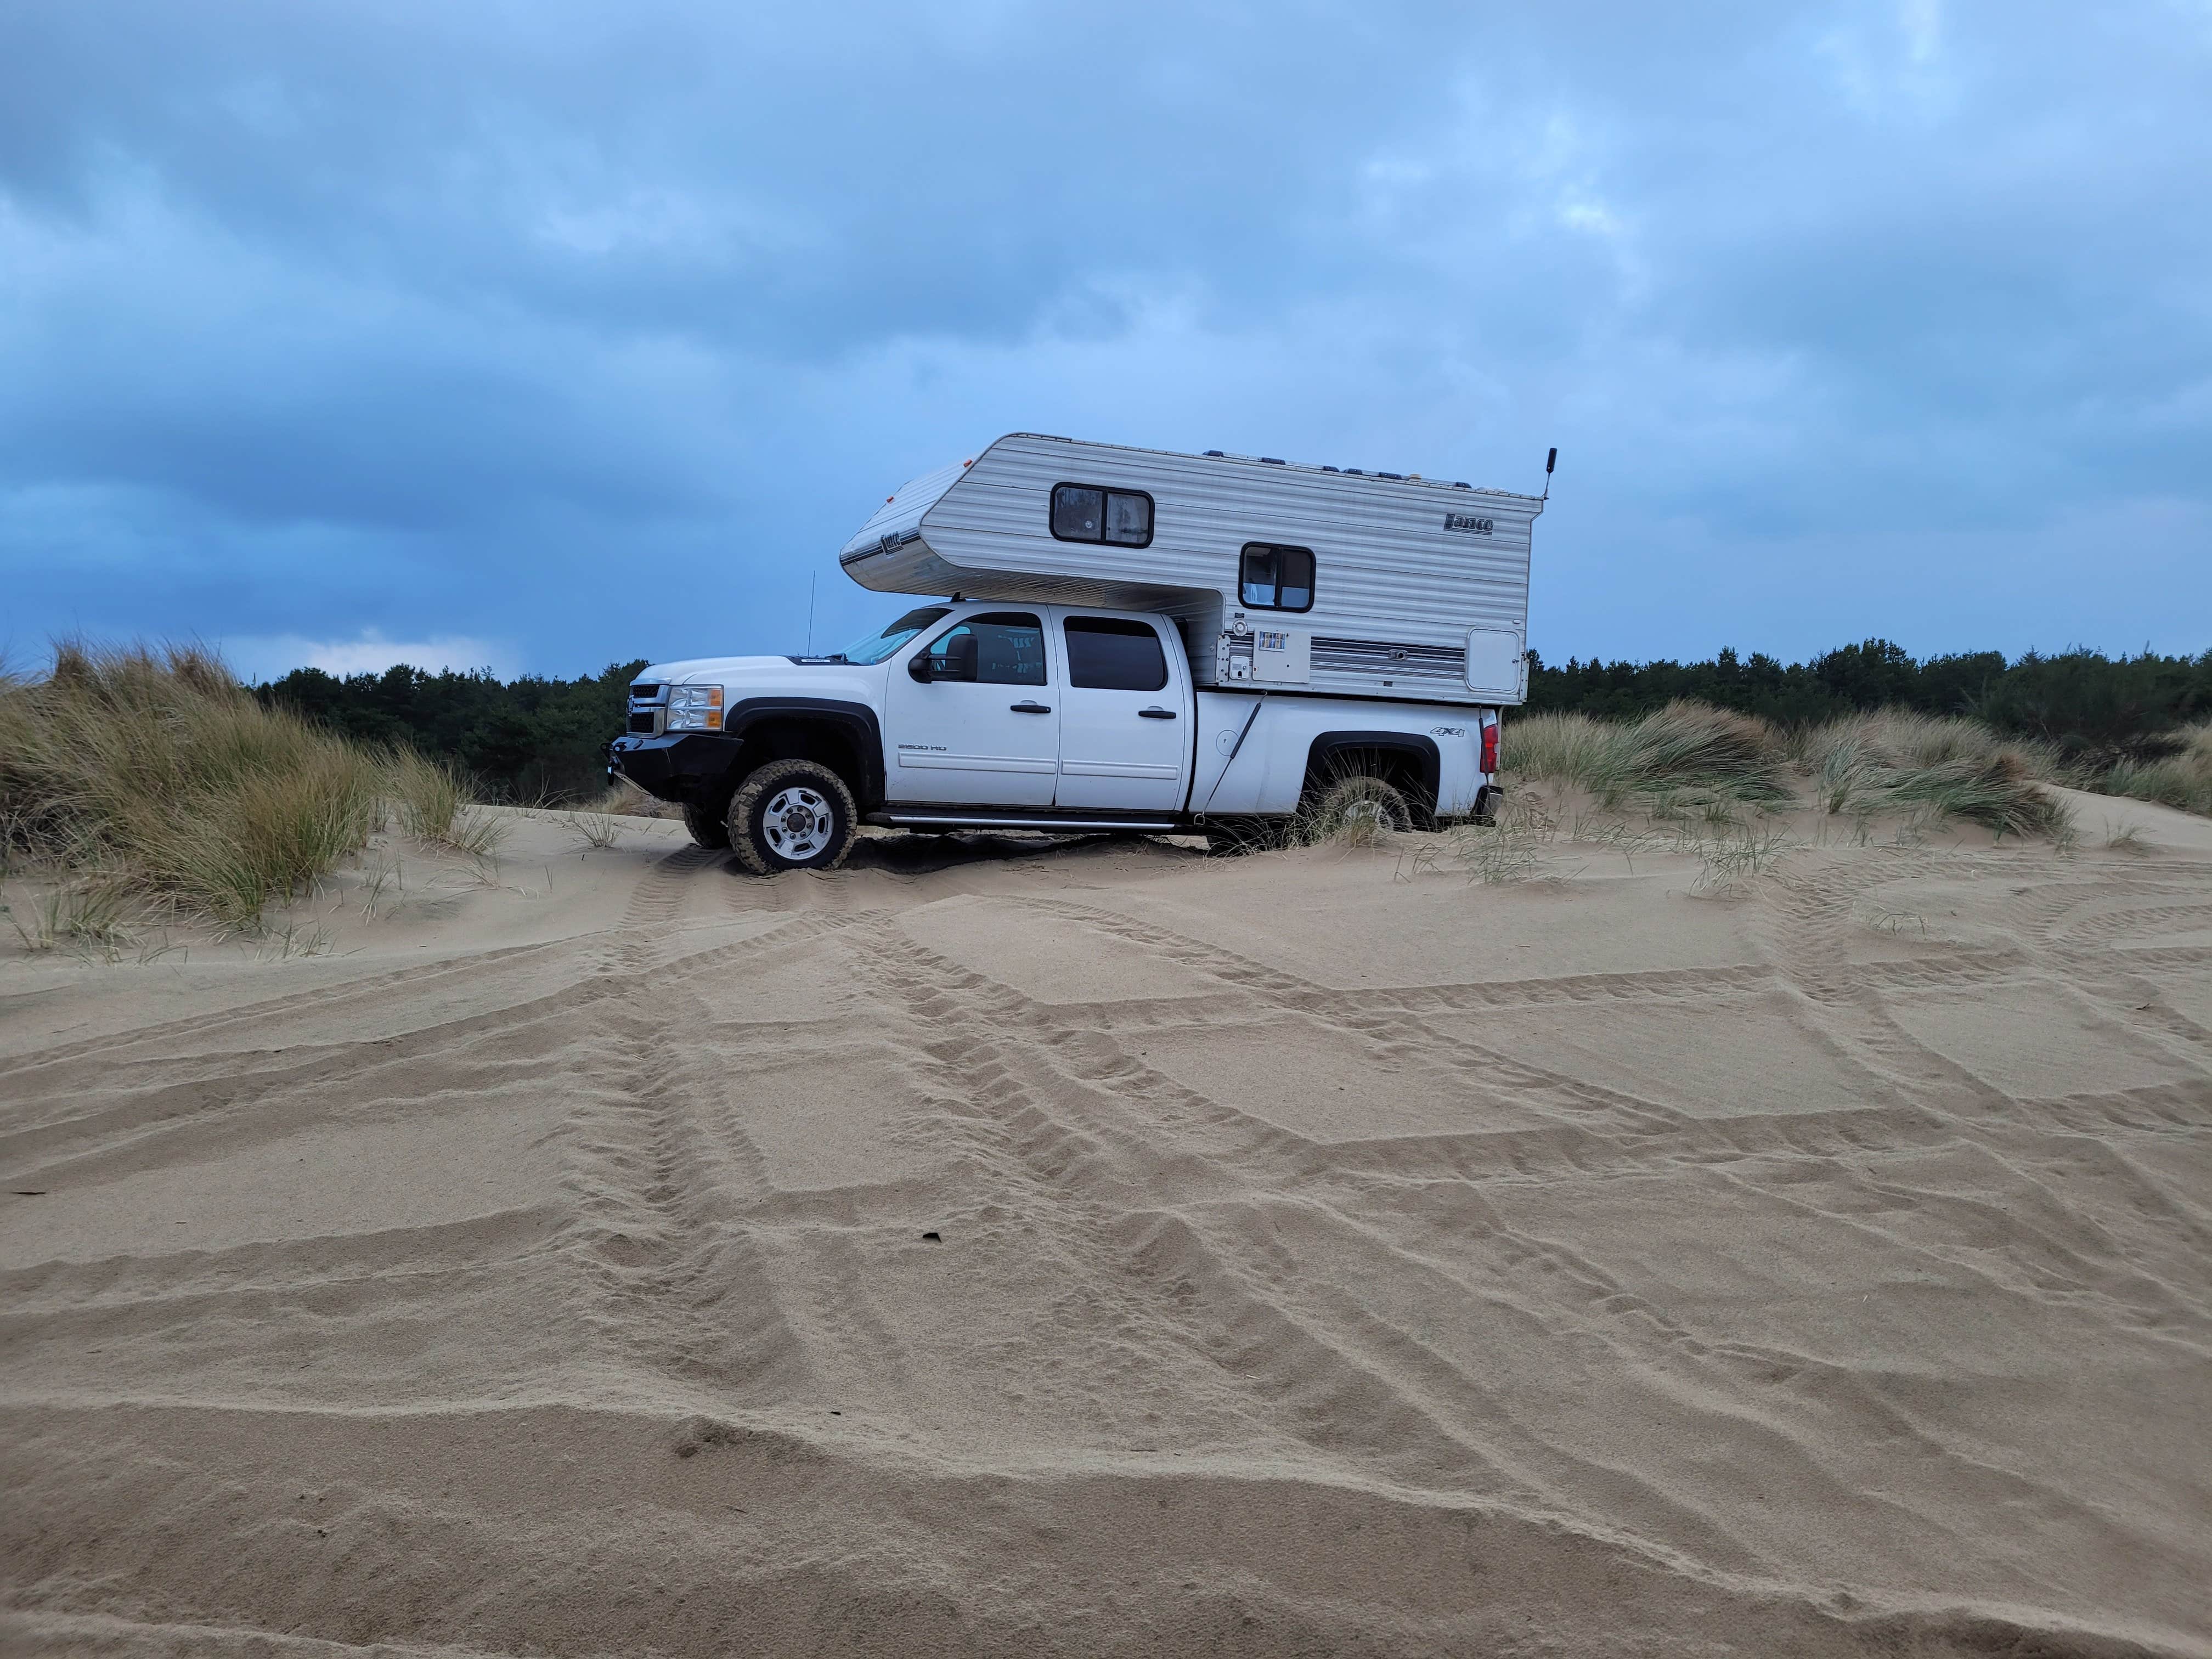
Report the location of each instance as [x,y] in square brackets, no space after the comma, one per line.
[1004,1248]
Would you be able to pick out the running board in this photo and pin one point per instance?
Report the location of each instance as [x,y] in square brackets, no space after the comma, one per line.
[969,821]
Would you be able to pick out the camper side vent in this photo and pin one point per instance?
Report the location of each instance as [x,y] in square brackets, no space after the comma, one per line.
[1387,656]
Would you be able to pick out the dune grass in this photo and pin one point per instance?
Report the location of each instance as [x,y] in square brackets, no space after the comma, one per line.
[1687,754]
[2182,779]
[431,802]
[1690,760]
[1893,762]
[154,776]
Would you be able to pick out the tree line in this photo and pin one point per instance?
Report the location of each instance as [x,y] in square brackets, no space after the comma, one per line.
[2093,707]
[530,739]
[539,738]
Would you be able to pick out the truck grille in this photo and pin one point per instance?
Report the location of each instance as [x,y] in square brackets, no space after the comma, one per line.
[646,700]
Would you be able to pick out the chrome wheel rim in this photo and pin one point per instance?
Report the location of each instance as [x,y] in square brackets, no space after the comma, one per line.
[797,823]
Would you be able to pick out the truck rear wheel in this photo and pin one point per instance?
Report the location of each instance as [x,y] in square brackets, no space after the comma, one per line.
[707,826]
[792,815]
[1357,808]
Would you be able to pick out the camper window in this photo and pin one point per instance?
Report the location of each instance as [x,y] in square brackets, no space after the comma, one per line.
[1085,512]
[1008,647]
[1128,518]
[1109,653]
[1277,578]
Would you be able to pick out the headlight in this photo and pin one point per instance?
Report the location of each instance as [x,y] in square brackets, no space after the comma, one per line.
[694,709]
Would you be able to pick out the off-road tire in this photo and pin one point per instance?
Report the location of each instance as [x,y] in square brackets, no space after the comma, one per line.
[804,787]
[1327,812]
[708,829]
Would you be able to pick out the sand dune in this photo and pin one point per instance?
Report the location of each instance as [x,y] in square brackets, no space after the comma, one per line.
[1097,1249]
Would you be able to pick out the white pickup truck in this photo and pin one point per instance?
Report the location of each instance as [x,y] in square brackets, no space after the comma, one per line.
[1137,641]
[979,713]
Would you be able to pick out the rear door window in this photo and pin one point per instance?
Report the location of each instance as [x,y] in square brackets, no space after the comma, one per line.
[1112,654]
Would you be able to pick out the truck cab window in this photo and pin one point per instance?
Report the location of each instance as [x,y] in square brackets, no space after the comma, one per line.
[876,646]
[1110,653]
[1085,512]
[1277,578]
[1007,646]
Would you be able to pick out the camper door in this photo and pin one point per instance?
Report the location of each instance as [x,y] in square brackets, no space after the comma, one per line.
[1497,665]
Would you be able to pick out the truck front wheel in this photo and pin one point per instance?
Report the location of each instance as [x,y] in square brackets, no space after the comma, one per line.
[792,815]
[706,825]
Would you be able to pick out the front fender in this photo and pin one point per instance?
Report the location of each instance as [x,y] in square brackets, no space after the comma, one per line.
[857,721]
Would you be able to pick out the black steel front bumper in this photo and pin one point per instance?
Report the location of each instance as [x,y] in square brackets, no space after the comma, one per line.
[688,766]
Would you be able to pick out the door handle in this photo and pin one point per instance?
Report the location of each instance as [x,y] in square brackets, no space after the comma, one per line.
[1030,708]
[1155,712]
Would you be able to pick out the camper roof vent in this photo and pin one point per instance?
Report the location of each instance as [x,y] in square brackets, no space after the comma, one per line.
[1326,467]
[1273,460]
[1462,485]
[1353,472]
[1213,451]
[1398,477]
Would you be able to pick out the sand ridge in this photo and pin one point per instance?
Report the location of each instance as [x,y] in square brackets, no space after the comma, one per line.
[1331,1254]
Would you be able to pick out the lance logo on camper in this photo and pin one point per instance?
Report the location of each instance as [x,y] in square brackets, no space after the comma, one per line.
[1463,521]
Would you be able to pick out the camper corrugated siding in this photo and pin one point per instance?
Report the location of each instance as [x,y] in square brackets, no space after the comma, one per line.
[1395,591]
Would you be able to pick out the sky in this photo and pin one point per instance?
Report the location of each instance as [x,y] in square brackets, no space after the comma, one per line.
[537,336]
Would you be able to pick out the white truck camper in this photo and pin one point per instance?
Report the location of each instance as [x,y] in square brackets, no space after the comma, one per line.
[1133,642]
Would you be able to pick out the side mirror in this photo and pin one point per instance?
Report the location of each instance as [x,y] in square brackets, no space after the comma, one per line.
[956,662]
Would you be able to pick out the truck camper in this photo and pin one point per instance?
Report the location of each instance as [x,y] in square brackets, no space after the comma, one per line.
[1128,639]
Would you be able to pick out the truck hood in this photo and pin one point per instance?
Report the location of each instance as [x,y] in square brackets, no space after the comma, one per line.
[717,671]
[765,677]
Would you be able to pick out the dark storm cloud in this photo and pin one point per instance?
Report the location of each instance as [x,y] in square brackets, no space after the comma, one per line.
[513,323]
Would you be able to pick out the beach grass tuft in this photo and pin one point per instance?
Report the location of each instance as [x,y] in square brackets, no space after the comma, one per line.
[145,775]
[153,774]
[1931,767]
[1685,757]
[2181,779]
[1690,763]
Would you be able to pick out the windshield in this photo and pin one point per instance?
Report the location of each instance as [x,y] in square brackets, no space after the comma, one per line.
[877,647]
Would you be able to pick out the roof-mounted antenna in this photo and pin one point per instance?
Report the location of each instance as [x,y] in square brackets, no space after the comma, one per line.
[1550,461]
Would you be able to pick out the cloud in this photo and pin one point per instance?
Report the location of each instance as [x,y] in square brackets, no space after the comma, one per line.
[598,336]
